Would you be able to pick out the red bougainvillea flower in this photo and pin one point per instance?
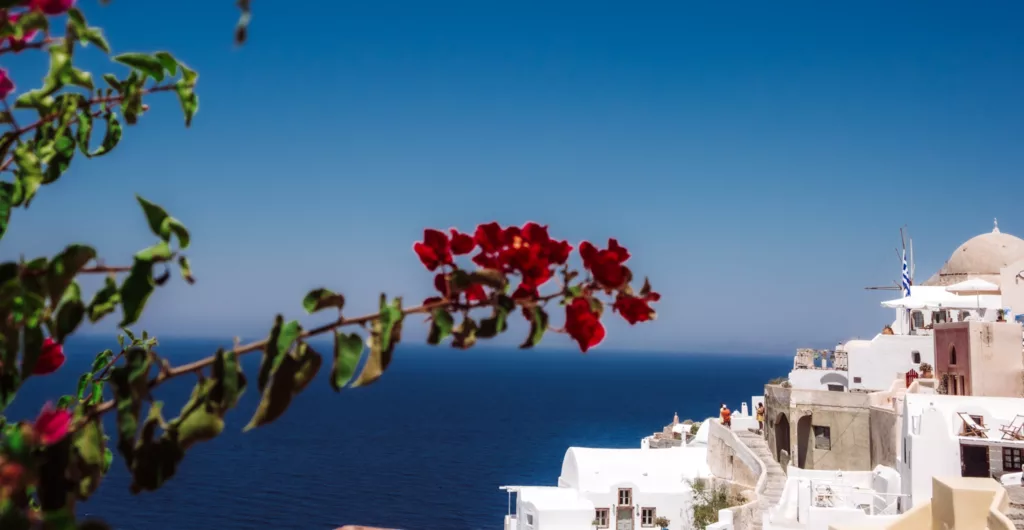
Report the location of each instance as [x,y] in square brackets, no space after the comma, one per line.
[52,424]
[6,85]
[636,308]
[583,324]
[527,250]
[435,249]
[606,265]
[461,243]
[51,7]
[51,358]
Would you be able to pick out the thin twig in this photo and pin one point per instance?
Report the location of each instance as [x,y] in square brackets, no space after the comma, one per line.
[259,345]
[26,46]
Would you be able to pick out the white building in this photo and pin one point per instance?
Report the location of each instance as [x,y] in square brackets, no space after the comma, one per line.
[612,488]
[816,500]
[966,436]
[872,364]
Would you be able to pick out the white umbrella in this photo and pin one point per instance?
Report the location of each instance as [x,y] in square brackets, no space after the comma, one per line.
[975,286]
[908,302]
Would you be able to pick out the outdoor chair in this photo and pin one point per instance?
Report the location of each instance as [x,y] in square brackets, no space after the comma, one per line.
[1014,430]
[971,427]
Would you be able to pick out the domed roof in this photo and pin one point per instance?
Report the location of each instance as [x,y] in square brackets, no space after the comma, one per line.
[980,257]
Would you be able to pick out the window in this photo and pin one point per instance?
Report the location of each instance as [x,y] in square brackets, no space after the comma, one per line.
[1012,459]
[625,497]
[822,438]
[647,516]
[952,390]
[917,318]
[915,357]
[856,379]
[963,387]
[601,517]
[529,519]
[835,388]
[952,355]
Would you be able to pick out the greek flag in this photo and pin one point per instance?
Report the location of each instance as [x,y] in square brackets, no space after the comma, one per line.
[906,275]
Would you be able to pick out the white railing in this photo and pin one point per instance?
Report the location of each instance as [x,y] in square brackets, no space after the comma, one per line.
[832,495]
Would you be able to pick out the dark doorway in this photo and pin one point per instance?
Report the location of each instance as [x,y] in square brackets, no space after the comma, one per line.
[803,441]
[974,461]
[782,437]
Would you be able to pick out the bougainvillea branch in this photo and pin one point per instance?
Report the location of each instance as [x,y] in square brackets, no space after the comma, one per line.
[50,463]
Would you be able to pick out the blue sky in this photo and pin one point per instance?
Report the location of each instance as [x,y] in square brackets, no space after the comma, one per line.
[756,158]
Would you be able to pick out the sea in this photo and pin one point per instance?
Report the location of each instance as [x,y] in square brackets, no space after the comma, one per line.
[425,448]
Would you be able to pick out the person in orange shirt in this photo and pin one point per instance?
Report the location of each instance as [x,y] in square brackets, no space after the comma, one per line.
[726,416]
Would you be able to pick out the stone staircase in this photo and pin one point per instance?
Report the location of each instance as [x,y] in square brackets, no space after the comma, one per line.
[776,477]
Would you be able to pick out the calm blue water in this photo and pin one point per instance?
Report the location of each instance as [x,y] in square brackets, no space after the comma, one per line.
[425,448]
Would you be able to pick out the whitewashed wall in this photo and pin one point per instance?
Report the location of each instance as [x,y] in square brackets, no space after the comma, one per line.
[881,360]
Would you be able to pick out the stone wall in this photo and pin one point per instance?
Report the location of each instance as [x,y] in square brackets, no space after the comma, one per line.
[884,437]
[732,462]
[730,459]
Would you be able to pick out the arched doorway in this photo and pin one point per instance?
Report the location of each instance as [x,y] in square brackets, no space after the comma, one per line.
[803,441]
[781,436]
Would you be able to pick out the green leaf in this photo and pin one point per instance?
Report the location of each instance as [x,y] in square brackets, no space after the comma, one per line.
[64,152]
[89,457]
[130,383]
[111,137]
[228,381]
[385,333]
[70,313]
[169,63]
[348,350]
[64,401]
[101,360]
[114,82]
[159,252]
[135,291]
[95,37]
[538,325]
[145,64]
[162,224]
[282,336]
[186,270]
[464,335]
[6,205]
[497,323]
[65,266]
[290,377]
[84,382]
[28,174]
[185,88]
[84,133]
[441,325]
[199,420]
[105,300]
[318,299]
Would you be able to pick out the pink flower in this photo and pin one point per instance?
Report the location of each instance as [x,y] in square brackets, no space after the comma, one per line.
[52,356]
[52,425]
[6,85]
[51,7]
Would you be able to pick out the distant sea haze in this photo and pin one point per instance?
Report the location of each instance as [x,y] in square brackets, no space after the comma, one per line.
[423,449]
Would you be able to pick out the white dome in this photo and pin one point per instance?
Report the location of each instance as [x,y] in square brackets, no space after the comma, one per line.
[982,257]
